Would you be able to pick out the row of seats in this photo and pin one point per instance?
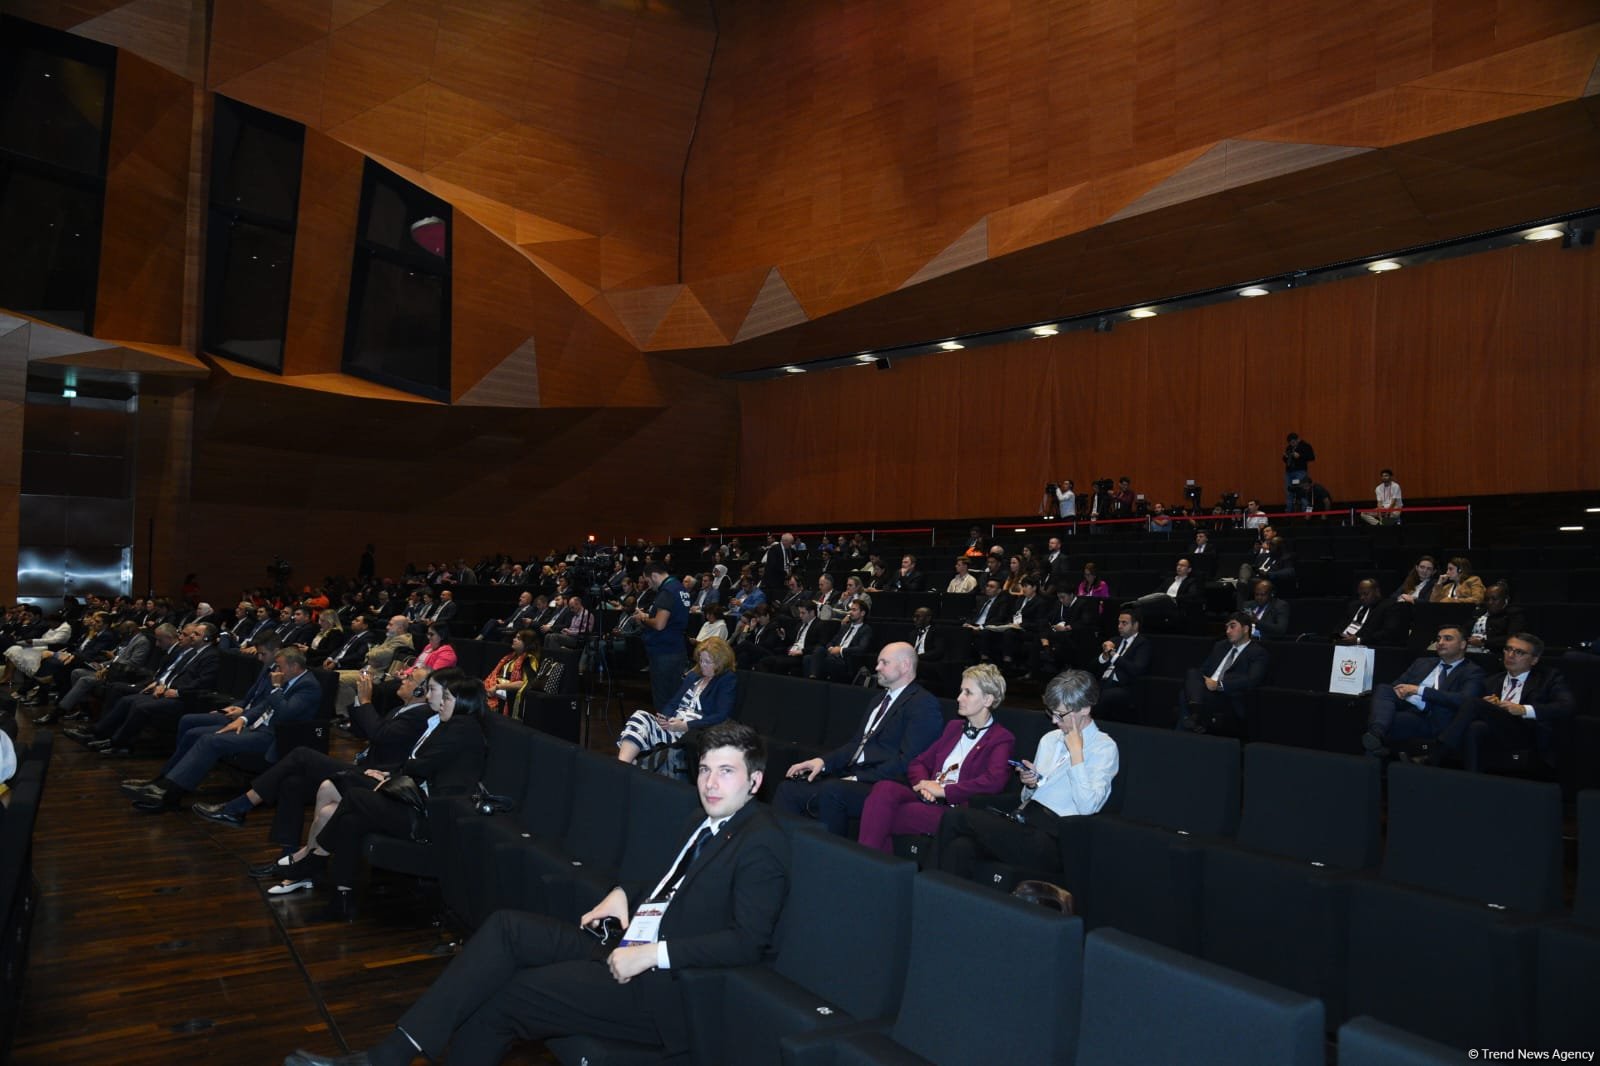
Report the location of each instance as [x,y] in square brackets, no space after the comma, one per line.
[19,894]
[876,962]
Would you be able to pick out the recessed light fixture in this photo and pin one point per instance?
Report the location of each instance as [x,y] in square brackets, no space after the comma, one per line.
[1591,510]
[1546,233]
[866,358]
[1020,529]
[952,346]
[1254,290]
[794,370]
[1383,266]
[1141,312]
[1044,331]
[1572,529]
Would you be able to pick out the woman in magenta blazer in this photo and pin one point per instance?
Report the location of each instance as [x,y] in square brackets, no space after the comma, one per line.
[970,758]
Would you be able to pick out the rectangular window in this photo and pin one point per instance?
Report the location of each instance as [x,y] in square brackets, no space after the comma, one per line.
[398,329]
[255,201]
[55,126]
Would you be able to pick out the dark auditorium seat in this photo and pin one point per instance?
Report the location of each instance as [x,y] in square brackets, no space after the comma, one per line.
[1369,1042]
[1143,1003]
[989,979]
[1440,945]
[1308,817]
[1143,862]
[818,978]
[1569,951]
[473,885]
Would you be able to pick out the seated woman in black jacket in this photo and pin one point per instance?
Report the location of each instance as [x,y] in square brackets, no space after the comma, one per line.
[447,761]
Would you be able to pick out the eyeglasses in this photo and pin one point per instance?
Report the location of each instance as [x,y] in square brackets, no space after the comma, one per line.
[1518,651]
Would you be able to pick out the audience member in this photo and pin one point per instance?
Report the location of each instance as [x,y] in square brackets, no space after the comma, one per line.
[1390,501]
[1419,582]
[703,699]
[839,662]
[973,751]
[834,787]
[1459,584]
[1121,664]
[925,637]
[808,636]
[1518,711]
[1070,774]
[662,630]
[1214,696]
[963,581]
[1424,700]
[506,683]
[1497,621]
[1270,615]
[530,977]
[1373,621]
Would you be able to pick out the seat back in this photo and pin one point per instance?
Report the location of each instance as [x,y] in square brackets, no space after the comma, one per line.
[510,752]
[1586,905]
[1020,968]
[1146,1003]
[1182,781]
[1368,1042]
[822,925]
[1491,839]
[658,810]
[1311,805]
[546,798]
[598,822]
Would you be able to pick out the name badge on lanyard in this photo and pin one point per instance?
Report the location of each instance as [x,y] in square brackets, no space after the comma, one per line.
[646,925]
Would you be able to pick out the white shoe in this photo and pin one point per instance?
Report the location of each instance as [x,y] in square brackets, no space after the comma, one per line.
[285,888]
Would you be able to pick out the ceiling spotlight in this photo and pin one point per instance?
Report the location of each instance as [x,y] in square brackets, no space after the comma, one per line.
[1142,312]
[1571,529]
[1383,266]
[952,346]
[1547,233]
[794,370]
[866,358]
[1591,510]
[1020,529]
[1044,331]
[1254,290]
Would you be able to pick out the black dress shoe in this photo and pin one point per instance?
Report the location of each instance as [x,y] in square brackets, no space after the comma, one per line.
[136,787]
[306,1058]
[44,719]
[276,870]
[157,803]
[218,812]
[82,736]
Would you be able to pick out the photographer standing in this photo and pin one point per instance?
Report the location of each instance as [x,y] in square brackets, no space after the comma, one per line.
[1297,457]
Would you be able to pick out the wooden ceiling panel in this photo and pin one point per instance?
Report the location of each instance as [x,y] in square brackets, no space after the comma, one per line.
[330,195]
[377,58]
[246,34]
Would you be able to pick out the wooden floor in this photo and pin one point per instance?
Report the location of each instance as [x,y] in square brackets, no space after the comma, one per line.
[152,945]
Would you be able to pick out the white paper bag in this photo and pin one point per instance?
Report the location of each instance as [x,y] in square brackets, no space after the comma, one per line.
[1352,670]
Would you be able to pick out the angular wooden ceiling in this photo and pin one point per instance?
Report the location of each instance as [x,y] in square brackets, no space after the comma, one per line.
[564,129]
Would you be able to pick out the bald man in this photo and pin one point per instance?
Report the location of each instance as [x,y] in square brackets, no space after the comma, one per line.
[901,724]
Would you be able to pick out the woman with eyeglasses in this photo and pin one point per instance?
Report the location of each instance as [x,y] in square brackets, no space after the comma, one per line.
[969,759]
[1070,774]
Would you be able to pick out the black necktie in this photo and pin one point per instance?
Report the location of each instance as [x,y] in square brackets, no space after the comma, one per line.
[680,871]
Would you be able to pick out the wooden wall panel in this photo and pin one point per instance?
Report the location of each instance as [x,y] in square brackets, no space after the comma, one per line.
[1469,376]
[143,241]
[865,122]
[324,242]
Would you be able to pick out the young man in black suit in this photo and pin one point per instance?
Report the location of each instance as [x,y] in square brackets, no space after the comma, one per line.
[1121,664]
[530,977]
[1236,666]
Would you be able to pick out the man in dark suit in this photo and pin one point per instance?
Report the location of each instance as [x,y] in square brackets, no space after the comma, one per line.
[352,654]
[1372,621]
[1521,706]
[300,629]
[293,696]
[840,660]
[909,579]
[1203,556]
[758,636]
[193,669]
[530,977]
[990,611]
[291,782]
[1054,567]
[264,624]
[1121,664]
[1179,598]
[1216,691]
[521,618]
[1424,700]
[927,640]
[906,721]
[775,566]
[1269,615]
[809,633]
[794,595]
[1072,627]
